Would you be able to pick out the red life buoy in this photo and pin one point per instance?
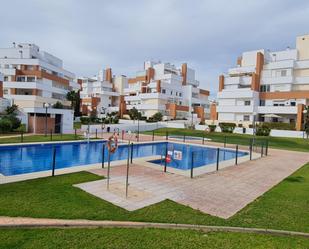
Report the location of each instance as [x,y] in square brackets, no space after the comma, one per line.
[168,159]
[112,143]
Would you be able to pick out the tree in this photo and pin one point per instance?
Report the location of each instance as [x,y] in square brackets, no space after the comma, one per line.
[74,97]
[11,110]
[157,116]
[134,114]
[58,105]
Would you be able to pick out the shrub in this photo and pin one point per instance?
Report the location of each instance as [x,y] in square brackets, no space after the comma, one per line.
[115,120]
[58,105]
[212,128]
[262,130]
[280,126]
[227,127]
[22,128]
[15,122]
[150,120]
[84,120]
[157,116]
[5,125]
[202,123]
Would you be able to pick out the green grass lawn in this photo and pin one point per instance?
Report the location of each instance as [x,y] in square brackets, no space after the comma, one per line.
[286,206]
[140,238]
[40,138]
[298,144]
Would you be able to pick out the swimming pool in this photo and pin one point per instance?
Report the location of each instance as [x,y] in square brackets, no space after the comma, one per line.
[21,159]
[181,156]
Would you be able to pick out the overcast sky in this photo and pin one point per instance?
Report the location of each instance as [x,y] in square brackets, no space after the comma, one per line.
[208,35]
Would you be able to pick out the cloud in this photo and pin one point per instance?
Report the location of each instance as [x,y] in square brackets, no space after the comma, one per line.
[209,35]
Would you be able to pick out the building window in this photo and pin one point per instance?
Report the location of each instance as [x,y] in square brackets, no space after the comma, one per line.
[246,118]
[262,102]
[283,73]
[293,103]
[265,88]
[247,102]
[6,78]
[171,92]
[180,94]
[163,91]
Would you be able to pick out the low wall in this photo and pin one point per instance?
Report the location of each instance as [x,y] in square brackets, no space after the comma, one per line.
[125,127]
[144,126]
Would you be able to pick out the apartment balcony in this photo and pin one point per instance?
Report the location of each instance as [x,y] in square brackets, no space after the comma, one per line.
[132,98]
[8,71]
[237,93]
[146,107]
[277,80]
[34,85]
[241,70]
[235,108]
[34,100]
[239,80]
[280,64]
[277,109]
[154,96]
[109,93]
[301,80]
[301,64]
[112,109]
[172,77]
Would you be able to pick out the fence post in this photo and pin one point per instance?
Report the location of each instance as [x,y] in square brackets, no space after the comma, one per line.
[96,133]
[184,138]
[262,148]
[236,157]
[166,135]
[192,159]
[21,136]
[108,169]
[250,149]
[203,139]
[224,141]
[153,135]
[165,162]
[51,134]
[75,133]
[131,153]
[103,156]
[218,151]
[266,148]
[54,161]
[128,163]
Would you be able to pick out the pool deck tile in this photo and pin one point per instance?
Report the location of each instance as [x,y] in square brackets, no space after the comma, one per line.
[221,194]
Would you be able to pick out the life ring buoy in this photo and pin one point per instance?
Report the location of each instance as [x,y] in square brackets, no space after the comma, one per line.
[112,143]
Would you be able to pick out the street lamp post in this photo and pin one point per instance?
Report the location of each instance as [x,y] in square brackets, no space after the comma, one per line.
[46,106]
[192,119]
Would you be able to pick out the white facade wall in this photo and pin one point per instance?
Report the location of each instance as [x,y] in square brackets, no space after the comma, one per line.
[172,90]
[283,71]
[47,91]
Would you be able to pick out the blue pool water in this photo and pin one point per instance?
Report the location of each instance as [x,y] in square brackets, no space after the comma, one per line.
[20,159]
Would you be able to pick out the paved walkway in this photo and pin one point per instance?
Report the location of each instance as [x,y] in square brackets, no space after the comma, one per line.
[220,194]
[20,222]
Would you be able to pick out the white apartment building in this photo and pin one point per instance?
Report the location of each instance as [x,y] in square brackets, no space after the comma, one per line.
[4,103]
[102,93]
[267,86]
[33,78]
[161,87]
